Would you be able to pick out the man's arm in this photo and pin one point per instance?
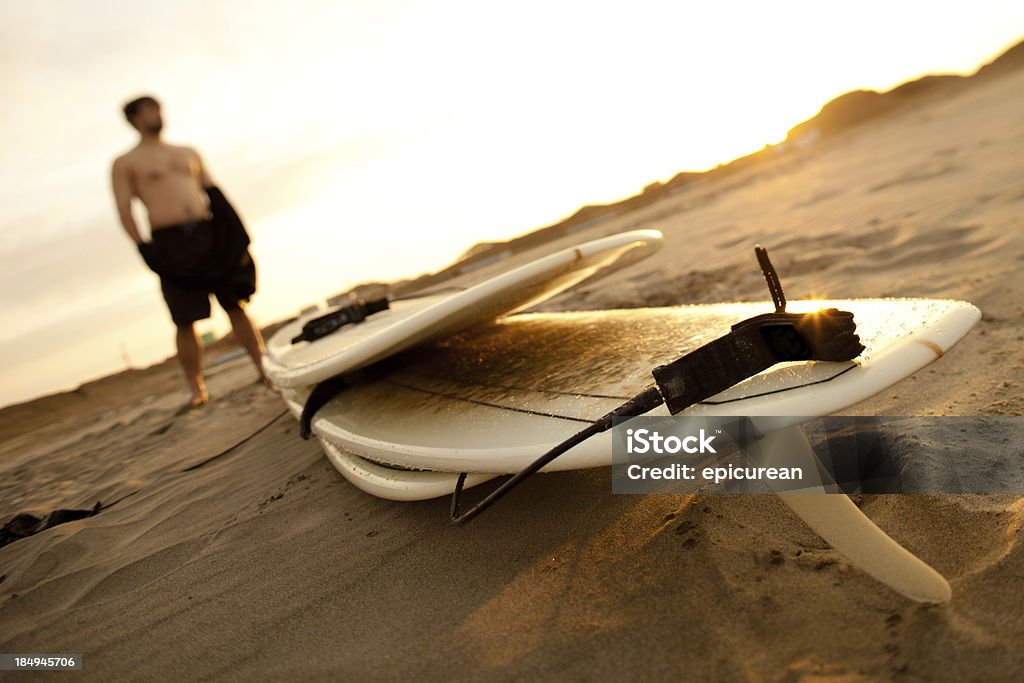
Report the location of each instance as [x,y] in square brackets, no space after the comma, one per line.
[123,193]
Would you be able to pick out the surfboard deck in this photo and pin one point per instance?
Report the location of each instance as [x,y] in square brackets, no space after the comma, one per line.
[490,400]
[414,321]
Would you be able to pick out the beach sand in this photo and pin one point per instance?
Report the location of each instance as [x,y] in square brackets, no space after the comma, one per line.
[235,551]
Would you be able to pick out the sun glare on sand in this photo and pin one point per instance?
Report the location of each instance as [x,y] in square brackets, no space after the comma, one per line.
[379,140]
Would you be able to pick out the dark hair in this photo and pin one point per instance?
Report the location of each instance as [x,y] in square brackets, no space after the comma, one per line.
[132,108]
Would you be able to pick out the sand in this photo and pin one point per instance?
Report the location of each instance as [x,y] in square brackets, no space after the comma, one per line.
[237,552]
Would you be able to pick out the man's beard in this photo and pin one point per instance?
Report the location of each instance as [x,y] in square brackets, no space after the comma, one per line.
[155,128]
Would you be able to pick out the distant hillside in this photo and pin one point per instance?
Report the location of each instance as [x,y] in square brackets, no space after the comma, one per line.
[854,108]
[837,116]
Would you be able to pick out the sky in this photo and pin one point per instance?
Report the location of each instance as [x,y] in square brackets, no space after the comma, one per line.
[379,139]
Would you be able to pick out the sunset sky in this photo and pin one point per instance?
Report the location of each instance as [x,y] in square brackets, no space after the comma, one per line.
[380,139]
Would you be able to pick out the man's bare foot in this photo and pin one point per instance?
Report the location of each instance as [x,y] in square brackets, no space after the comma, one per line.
[197,401]
[265,381]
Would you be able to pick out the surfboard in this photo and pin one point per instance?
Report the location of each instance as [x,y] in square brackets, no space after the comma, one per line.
[414,321]
[492,399]
[383,481]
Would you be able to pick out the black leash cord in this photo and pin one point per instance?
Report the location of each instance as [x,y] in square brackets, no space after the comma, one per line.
[643,402]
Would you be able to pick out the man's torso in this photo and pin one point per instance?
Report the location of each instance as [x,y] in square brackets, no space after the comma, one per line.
[167,180]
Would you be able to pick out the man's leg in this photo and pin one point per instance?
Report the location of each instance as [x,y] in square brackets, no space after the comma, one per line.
[190,355]
[248,336]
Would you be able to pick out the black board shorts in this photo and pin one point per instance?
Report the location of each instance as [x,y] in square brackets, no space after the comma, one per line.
[190,248]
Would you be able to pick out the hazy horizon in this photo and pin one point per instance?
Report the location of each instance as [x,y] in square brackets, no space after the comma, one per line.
[390,123]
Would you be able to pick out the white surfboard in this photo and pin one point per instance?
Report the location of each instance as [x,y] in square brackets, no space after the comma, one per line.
[492,399]
[387,482]
[415,321]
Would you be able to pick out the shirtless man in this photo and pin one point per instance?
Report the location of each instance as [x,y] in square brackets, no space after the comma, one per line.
[172,183]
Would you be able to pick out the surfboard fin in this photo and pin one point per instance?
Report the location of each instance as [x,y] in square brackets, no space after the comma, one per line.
[835,518]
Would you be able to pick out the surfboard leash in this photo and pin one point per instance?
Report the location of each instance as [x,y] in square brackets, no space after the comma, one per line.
[751,347]
[355,312]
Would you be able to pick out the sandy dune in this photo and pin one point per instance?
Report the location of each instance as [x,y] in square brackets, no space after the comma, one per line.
[236,551]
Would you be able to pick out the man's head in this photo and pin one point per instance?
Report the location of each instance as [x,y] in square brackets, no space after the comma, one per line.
[144,115]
